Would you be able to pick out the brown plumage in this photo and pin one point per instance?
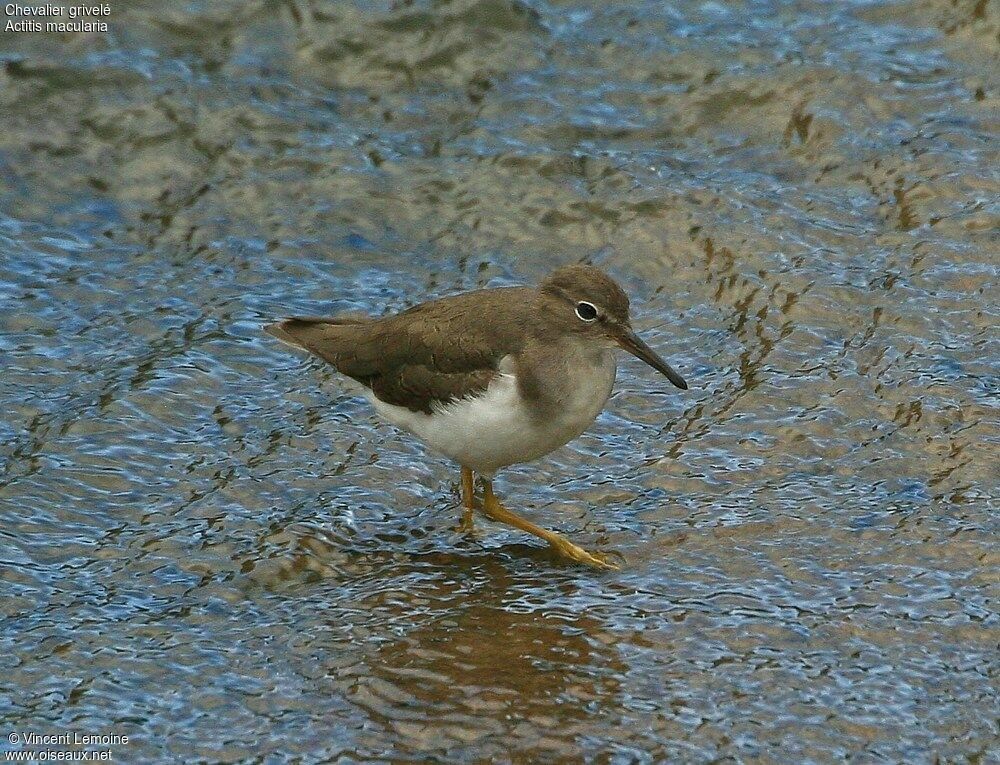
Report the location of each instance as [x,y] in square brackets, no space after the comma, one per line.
[430,354]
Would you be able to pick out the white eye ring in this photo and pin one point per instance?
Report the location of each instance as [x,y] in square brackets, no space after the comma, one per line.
[586,311]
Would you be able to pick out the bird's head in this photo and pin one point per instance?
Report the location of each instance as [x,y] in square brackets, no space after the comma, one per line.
[587,302]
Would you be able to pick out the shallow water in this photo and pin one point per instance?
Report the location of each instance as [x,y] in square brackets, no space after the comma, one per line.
[208,546]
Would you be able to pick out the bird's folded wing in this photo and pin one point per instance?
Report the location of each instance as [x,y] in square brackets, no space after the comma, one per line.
[421,389]
[429,356]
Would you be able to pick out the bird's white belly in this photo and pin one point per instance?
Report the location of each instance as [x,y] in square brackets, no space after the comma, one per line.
[497,429]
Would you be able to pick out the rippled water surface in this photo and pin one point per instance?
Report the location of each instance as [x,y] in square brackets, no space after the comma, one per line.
[209,546]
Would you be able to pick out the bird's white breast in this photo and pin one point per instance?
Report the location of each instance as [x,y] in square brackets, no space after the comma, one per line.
[497,428]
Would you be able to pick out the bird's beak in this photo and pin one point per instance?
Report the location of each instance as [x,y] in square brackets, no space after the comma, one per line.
[631,342]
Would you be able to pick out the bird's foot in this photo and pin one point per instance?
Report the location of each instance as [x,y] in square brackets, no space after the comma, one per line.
[495,510]
[576,553]
[469,503]
[467,525]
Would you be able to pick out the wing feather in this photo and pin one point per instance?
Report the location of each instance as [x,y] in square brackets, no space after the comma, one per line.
[432,354]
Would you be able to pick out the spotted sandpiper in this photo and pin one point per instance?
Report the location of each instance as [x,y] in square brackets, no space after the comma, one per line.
[490,378]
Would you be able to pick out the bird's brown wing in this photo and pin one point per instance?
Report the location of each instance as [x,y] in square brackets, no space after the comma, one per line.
[432,354]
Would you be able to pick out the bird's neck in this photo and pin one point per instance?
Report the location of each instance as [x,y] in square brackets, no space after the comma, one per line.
[564,374]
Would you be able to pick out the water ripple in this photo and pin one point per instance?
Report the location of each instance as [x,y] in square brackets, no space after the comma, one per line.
[210,546]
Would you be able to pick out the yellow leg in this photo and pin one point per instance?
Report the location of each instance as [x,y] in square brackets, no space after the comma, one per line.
[468,502]
[496,511]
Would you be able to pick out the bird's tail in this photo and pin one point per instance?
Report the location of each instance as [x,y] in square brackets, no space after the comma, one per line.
[318,334]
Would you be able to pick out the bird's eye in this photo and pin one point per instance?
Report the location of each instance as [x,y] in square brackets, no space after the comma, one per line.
[586,311]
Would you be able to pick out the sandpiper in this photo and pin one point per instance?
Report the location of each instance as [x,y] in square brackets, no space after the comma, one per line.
[490,378]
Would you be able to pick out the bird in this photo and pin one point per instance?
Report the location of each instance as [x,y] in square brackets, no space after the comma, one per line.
[491,377]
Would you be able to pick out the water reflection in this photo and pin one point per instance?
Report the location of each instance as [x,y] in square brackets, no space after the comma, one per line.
[485,668]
